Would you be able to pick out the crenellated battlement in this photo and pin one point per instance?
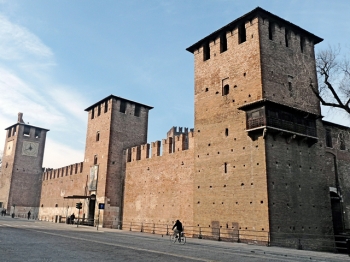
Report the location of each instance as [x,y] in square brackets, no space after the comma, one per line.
[167,146]
[50,173]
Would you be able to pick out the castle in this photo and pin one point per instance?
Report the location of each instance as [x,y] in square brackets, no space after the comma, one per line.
[260,164]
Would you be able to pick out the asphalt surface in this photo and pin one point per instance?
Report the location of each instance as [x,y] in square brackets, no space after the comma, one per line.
[32,240]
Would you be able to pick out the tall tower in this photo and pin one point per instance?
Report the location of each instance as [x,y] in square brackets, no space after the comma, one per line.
[20,181]
[114,124]
[256,151]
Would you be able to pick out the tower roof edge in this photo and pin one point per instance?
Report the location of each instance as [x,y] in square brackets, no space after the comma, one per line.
[117,97]
[250,15]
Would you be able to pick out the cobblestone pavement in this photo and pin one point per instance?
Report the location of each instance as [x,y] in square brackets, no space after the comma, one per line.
[31,240]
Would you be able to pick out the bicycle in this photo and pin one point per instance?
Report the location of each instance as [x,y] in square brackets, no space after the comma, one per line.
[177,239]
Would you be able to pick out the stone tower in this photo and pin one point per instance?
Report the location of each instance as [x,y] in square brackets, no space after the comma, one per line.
[114,124]
[256,125]
[20,182]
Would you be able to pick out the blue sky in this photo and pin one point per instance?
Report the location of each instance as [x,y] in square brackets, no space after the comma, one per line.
[57,57]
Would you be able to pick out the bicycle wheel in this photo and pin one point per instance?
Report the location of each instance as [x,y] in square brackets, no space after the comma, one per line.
[182,239]
[172,238]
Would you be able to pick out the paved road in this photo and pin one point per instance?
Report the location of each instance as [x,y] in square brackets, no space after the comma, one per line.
[23,240]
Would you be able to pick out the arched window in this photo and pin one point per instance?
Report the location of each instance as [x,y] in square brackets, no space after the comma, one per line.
[95,160]
[98,136]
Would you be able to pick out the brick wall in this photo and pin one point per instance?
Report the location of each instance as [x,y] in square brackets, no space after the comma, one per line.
[159,189]
[230,179]
[58,184]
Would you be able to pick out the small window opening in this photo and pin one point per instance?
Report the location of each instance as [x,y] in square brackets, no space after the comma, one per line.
[286,37]
[329,138]
[122,107]
[106,106]
[271,30]
[226,90]
[302,43]
[342,141]
[37,132]
[14,131]
[223,43]
[206,51]
[92,113]
[206,89]
[225,167]
[290,88]
[137,110]
[95,160]
[98,136]
[241,34]
[26,131]
[226,132]
[99,110]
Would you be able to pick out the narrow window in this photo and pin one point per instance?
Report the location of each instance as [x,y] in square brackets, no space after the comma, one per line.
[290,88]
[122,106]
[137,110]
[329,138]
[241,34]
[302,43]
[106,106]
[37,132]
[225,166]
[223,43]
[99,110]
[226,132]
[95,160]
[206,51]
[26,131]
[14,131]
[271,30]
[98,136]
[225,90]
[342,141]
[92,113]
[286,37]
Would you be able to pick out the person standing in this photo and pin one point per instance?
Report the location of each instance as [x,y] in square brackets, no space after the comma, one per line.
[72,217]
[29,214]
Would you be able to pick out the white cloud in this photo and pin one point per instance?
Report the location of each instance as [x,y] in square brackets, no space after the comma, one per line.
[54,151]
[27,85]
[17,43]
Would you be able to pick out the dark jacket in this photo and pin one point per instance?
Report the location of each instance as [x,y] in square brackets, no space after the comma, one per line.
[178,226]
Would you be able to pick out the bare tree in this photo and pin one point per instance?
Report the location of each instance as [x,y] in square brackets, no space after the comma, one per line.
[333,73]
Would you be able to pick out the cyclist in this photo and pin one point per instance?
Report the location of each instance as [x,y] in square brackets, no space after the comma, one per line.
[177,229]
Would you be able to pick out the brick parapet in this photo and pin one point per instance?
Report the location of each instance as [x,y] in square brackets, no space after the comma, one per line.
[142,152]
[73,169]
